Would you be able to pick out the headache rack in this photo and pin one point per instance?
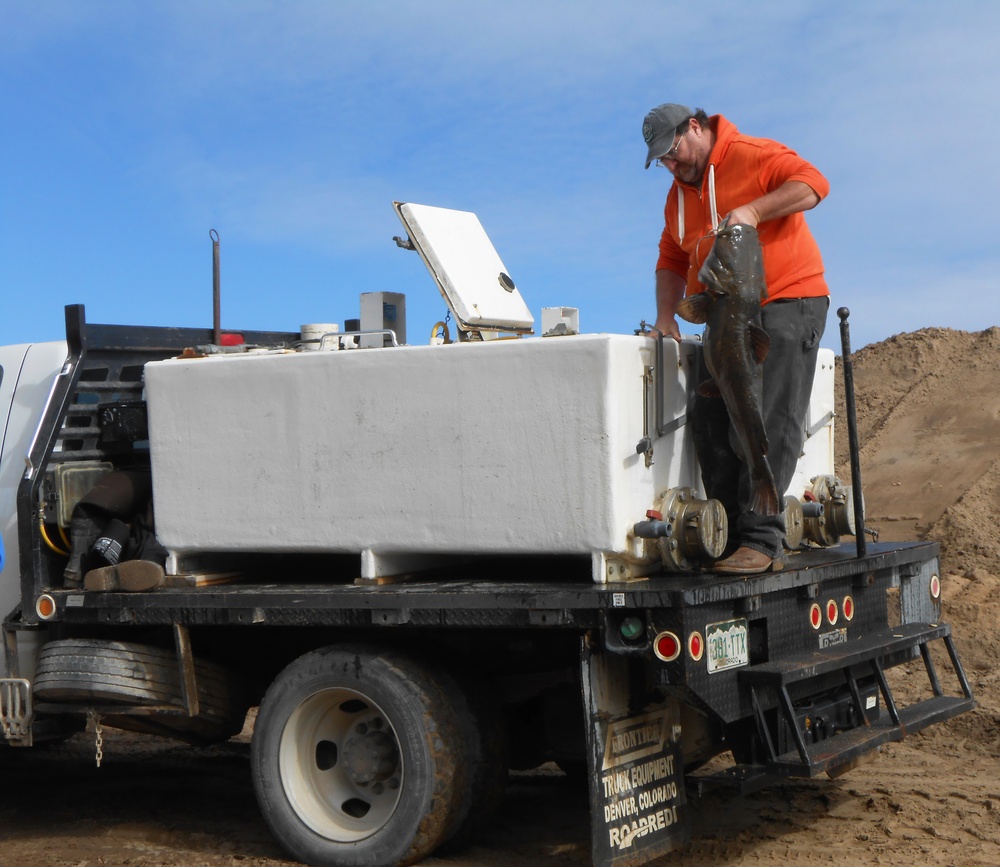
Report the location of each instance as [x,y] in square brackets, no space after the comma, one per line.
[95,414]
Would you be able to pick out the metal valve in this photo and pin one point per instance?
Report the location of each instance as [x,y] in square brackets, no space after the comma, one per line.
[689,531]
[825,526]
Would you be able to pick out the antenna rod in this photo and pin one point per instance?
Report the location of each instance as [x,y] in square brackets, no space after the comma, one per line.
[216,289]
[852,431]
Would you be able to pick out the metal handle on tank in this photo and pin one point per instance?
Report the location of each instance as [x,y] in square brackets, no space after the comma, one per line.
[852,432]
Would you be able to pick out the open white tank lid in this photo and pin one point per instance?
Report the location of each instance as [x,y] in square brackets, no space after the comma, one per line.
[463,262]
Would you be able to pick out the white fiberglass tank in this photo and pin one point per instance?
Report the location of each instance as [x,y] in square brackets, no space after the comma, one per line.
[510,446]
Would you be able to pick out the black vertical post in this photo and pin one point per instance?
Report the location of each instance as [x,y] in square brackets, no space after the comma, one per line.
[216,289]
[852,432]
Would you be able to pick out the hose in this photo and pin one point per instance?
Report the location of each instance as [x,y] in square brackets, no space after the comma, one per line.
[48,541]
[444,327]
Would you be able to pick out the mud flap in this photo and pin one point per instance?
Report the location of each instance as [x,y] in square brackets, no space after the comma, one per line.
[638,807]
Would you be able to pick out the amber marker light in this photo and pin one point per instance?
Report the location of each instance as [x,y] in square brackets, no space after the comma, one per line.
[667,646]
[45,607]
[696,646]
[815,616]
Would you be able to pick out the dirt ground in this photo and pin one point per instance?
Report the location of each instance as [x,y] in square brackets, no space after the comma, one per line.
[929,427]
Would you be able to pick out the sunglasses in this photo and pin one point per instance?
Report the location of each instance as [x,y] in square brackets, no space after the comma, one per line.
[672,153]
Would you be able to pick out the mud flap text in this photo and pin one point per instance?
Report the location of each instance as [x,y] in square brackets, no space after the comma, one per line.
[638,803]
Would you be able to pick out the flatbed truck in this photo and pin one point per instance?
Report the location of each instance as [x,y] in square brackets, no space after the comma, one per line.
[397,684]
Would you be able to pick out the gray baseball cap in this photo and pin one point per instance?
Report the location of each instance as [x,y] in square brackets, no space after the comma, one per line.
[659,126]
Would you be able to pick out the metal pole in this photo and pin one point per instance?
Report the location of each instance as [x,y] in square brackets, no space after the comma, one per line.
[852,432]
[216,289]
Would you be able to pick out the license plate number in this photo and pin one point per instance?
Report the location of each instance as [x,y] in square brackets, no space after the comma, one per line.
[726,645]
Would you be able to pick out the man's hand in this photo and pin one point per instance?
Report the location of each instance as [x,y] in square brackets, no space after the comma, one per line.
[667,327]
[669,291]
[746,215]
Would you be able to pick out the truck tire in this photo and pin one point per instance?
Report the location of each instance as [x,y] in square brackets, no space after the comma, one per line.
[123,673]
[358,757]
[488,762]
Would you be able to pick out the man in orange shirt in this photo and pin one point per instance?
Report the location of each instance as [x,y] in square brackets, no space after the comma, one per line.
[718,174]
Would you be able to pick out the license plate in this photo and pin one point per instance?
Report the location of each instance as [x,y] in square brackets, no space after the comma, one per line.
[832,639]
[726,645]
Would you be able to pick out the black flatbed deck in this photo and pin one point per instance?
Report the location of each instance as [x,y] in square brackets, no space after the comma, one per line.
[459,601]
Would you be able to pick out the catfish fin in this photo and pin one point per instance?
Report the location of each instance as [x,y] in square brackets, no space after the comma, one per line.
[764,498]
[759,342]
[709,388]
[695,308]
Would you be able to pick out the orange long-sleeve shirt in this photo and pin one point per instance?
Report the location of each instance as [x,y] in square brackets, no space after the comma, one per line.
[745,169]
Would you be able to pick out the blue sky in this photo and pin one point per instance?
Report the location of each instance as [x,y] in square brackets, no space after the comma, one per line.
[129,129]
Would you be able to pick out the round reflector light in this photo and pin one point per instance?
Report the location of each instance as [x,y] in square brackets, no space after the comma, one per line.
[815,616]
[696,646]
[45,607]
[667,646]
[935,587]
[832,612]
[847,606]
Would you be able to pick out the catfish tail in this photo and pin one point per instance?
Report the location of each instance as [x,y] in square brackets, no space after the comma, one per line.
[764,497]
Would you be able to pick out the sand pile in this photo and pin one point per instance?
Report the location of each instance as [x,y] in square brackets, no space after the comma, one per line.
[928,410]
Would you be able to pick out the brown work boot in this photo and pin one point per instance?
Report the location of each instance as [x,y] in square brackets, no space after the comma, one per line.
[132,575]
[746,561]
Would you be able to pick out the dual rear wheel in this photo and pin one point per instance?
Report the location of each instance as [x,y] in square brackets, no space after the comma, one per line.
[368,758]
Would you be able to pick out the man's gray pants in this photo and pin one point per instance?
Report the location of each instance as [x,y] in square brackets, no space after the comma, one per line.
[795,327]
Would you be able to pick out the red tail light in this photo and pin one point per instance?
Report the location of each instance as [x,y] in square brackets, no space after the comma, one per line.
[696,646]
[832,612]
[815,616]
[667,646]
[847,606]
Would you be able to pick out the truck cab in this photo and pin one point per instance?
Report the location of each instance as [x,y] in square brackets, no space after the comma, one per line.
[27,375]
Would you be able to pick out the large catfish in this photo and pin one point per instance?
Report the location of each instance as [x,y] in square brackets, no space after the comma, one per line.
[735,347]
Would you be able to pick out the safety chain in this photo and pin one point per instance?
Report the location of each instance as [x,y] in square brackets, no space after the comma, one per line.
[93,717]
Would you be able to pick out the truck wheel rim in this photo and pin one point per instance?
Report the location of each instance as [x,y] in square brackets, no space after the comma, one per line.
[340,765]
